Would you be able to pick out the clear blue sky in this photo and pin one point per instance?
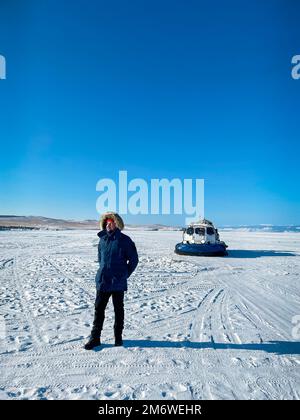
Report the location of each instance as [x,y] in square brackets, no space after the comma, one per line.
[188,89]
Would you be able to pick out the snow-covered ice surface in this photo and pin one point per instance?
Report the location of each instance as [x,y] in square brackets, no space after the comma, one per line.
[195,328]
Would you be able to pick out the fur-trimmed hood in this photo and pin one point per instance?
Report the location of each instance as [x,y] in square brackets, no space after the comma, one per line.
[111,215]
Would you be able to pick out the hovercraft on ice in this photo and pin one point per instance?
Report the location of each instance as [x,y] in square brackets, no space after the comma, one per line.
[201,239]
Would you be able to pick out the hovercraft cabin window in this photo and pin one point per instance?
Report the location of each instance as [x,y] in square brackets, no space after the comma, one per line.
[190,231]
[210,231]
[200,231]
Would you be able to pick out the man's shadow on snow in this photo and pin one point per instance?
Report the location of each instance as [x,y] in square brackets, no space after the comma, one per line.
[257,253]
[275,347]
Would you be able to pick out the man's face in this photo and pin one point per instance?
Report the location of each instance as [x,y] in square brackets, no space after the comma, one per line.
[110,225]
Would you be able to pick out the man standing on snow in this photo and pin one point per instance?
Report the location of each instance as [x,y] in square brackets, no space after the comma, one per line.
[118,259]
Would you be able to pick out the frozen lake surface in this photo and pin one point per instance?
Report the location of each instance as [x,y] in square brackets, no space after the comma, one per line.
[195,327]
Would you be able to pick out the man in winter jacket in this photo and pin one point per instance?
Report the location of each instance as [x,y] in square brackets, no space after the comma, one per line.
[118,259]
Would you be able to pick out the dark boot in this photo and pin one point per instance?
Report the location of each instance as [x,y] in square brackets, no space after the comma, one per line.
[118,337]
[118,341]
[92,343]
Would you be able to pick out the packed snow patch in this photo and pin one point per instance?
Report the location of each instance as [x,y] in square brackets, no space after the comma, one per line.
[195,327]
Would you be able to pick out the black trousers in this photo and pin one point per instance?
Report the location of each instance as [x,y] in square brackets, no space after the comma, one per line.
[101,302]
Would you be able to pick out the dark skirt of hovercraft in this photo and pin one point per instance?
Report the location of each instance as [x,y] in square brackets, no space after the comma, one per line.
[205,250]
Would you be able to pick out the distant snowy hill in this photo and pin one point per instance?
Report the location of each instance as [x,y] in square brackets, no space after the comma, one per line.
[40,222]
[12,222]
[263,228]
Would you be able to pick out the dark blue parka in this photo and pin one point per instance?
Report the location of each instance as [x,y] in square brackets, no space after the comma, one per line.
[118,259]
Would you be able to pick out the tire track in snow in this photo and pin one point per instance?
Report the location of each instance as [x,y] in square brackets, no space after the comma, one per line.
[248,299]
[212,324]
[197,331]
[6,263]
[35,334]
[261,312]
